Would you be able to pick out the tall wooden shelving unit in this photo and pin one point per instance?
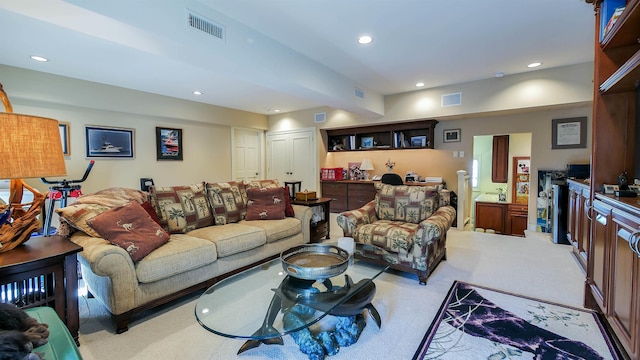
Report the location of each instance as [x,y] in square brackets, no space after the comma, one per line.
[613,259]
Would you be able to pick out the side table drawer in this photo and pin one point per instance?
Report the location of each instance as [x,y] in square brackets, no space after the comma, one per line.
[332,189]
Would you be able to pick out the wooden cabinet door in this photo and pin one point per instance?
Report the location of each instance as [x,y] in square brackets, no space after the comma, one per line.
[360,194]
[500,159]
[516,219]
[338,192]
[490,216]
[572,214]
[624,295]
[598,263]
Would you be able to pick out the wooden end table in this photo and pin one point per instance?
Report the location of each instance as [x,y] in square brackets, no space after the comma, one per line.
[321,229]
[43,272]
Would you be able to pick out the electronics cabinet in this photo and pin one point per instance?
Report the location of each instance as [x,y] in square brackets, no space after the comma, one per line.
[403,135]
[578,221]
[348,194]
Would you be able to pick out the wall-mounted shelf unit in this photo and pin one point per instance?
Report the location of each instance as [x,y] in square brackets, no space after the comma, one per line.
[404,135]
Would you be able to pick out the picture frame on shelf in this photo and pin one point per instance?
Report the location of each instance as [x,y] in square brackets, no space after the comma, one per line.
[109,142]
[169,144]
[419,141]
[451,135]
[63,127]
[366,142]
[610,189]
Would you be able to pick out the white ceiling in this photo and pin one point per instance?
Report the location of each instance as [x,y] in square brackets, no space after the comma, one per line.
[293,54]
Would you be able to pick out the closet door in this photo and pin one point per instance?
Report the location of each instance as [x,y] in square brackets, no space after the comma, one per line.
[292,155]
[247,154]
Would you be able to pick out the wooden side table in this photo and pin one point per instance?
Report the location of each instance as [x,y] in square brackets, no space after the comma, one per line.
[43,272]
[323,227]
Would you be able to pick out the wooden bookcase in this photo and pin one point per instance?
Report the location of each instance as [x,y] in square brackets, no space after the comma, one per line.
[404,135]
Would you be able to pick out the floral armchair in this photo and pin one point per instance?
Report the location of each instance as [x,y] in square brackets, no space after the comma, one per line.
[410,222]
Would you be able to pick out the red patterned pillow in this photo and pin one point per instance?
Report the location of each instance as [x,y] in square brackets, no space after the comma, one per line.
[288,209]
[265,204]
[181,208]
[228,201]
[151,211]
[131,228]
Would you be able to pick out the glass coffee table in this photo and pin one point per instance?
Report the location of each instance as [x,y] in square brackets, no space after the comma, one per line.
[253,304]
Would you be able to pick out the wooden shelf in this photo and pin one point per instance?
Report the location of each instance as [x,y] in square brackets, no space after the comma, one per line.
[624,31]
[625,78]
[384,137]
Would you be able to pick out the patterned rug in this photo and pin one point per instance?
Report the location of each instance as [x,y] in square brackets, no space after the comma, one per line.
[475,322]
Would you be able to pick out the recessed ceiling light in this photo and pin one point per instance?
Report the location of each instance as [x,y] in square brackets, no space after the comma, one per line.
[499,74]
[197,92]
[276,110]
[420,84]
[534,64]
[365,39]
[39,58]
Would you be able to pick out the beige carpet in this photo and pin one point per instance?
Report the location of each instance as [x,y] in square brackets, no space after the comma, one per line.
[531,266]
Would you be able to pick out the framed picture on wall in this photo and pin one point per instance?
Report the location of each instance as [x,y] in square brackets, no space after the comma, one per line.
[64,137]
[570,133]
[451,135]
[169,144]
[521,179]
[109,142]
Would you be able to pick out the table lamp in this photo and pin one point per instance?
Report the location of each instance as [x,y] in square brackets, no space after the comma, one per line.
[366,166]
[30,148]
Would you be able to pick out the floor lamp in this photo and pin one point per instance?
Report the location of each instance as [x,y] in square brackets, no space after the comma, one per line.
[30,148]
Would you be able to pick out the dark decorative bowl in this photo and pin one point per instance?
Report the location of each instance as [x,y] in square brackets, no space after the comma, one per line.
[314,261]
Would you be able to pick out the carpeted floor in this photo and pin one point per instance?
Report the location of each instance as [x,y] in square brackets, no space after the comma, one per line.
[531,266]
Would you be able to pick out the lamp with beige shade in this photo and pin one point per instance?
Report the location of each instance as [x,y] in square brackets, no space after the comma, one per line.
[366,166]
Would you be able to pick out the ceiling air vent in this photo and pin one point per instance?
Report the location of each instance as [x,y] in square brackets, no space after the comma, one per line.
[359,93]
[320,117]
[454,99]
[205,25]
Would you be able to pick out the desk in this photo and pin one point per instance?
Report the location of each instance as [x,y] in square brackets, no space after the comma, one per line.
[43,272]
[322,228]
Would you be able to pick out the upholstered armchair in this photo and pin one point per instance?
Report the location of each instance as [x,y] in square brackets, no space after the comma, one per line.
[410,222]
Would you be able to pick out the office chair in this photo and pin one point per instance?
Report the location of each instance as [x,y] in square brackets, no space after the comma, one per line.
[391,179]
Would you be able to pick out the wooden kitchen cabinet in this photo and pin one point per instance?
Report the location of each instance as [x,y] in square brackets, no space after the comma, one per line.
[490,215]
[516,219]
[500,159]
[579,221]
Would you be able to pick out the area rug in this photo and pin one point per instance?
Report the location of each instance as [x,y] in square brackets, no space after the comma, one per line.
[475,322]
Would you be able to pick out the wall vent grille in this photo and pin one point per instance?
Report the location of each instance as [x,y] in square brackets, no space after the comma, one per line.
[320,117]
[359,93]
[454,99]
[205,25]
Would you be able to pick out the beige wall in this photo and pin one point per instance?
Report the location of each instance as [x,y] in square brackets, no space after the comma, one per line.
[206,129]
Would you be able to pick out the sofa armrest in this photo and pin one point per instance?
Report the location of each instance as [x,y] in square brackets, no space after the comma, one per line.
[350,220]
[437,224]
[304,213]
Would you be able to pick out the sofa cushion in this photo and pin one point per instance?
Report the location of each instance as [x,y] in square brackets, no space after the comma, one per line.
[131,228]
[228,201]
[393,236]
[258,184]
[232,238]
[405,203]
[277,229]
[265,204]
[180,254]
[90,205]
[181,208]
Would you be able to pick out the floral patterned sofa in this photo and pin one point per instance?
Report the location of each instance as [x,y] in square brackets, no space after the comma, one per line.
[410,222]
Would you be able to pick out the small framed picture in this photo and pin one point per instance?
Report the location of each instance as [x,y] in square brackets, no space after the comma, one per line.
[168,143]
[109,142]
[451,135]
[635,188]
[367,142]
[610,189]
[64,137]
[419,141]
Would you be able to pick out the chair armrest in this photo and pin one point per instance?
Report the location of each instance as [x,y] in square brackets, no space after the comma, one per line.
[350,220]
[437,224]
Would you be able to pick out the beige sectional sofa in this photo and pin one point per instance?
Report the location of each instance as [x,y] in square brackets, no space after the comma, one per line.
[194,257]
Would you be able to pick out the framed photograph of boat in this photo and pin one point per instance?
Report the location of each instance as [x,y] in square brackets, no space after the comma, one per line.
[109,142]
[168,143]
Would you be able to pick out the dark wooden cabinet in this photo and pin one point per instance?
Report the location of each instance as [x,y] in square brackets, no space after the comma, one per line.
[490,216]
[500,159]
[579,221]
[348,194]
[516,219]
[322,228]
[401,135]
[598,259]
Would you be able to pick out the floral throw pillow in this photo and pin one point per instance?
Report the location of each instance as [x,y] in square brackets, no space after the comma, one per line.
[228,200]
[131,228]
[405,203]
[265,204]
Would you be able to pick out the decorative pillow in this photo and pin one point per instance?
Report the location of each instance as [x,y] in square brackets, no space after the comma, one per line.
[90,205]
[181,208]
[265,204]
[259,184]
[288,209]
[228,200]
[151,211]
[405,203]
[131,228]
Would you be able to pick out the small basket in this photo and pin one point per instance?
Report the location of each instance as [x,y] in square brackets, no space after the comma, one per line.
[314,261]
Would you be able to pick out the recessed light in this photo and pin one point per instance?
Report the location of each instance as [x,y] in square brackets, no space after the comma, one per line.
[534,64]
[39,58]
[276,110]
[197,92]
[499,74]
[419,84]
[365,39]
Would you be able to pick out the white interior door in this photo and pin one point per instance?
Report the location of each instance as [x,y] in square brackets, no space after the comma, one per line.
[292,155]
[247,154]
